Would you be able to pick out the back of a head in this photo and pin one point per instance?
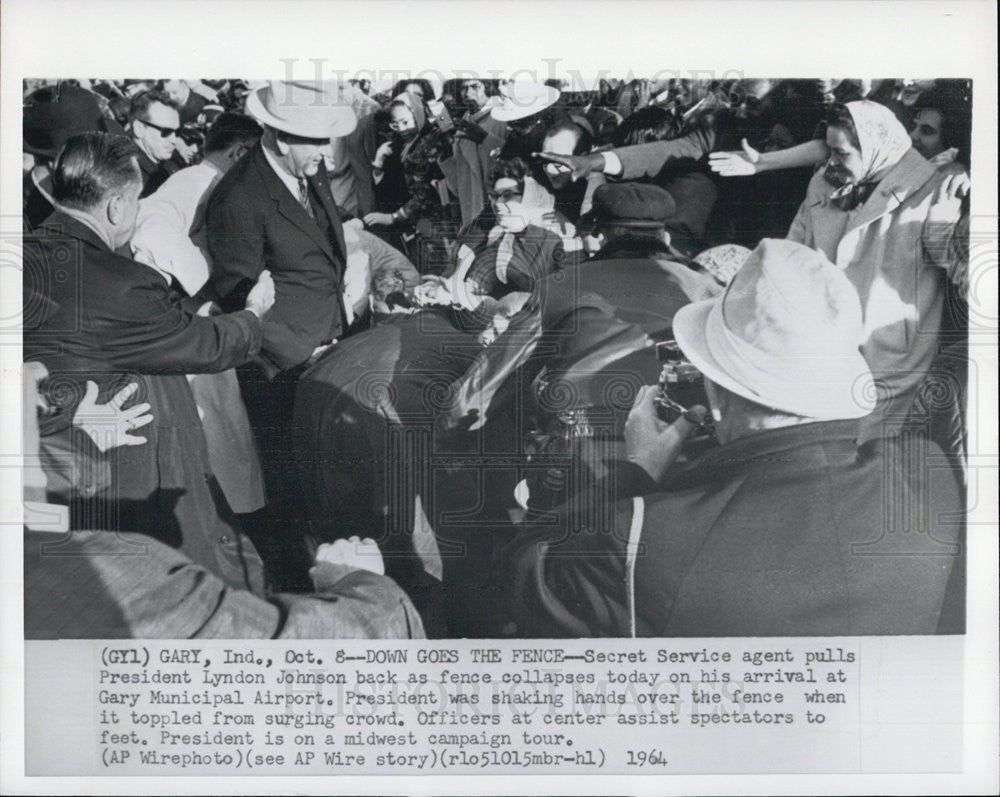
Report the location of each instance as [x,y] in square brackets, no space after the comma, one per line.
[230,129]
[652,123]
[90,167]
[584,137]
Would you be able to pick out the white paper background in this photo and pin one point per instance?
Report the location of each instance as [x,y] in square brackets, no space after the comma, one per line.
[794,39]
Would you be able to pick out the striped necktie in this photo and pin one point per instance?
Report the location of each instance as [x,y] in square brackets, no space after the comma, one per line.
[304,197]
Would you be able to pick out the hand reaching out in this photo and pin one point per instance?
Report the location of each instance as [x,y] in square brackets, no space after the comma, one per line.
[376,219]
[108,425]
[580,166]
[735,164]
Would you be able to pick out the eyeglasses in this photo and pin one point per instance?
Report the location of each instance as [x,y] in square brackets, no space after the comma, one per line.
[505,196]
[397,126]
[165,132]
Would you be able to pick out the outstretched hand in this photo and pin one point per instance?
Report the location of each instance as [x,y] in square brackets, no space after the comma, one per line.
[108,425]
[580,166]
[735,164]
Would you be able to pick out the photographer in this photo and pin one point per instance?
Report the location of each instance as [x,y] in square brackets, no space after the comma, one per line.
[781,530]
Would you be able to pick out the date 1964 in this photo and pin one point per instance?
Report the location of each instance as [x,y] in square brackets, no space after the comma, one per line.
[645,758]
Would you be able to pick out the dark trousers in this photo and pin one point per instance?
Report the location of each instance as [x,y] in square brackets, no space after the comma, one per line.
[278,529]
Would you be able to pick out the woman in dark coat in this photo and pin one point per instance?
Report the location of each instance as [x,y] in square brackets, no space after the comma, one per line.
[407,176]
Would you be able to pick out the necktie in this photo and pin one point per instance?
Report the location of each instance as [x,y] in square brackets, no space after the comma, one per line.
[304,197]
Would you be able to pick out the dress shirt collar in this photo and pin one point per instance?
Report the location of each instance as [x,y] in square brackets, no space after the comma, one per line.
[291,183]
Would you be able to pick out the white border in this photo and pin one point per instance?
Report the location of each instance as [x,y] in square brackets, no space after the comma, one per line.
[249,37]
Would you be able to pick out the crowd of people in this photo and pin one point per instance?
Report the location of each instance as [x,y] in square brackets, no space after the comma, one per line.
[495,359]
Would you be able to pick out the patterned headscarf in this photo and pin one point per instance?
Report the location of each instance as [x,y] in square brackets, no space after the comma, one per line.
[416,106]
[883,141]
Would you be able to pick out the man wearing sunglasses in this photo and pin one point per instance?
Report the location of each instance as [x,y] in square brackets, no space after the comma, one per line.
[153,125]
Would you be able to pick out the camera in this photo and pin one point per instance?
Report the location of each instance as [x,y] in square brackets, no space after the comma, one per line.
[681,385]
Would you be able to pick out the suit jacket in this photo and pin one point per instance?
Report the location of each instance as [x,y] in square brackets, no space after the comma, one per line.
[254,223]
[154,174]
[89,584]
[780,533]
[92,315]
[897,249]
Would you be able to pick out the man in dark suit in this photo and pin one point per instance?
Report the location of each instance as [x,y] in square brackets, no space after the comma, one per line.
[92,315]
[274,210]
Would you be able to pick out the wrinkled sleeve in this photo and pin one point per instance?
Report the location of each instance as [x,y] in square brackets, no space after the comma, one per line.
[123,585]
[648,160]
[154,333]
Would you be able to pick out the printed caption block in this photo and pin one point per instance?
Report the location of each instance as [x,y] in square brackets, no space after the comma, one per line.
[337,707]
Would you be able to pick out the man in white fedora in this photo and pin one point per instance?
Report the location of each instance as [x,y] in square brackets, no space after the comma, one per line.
[528,110]
[789,527]
[274,210]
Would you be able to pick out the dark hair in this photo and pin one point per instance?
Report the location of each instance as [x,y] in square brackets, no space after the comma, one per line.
[141,102]
[229,129]
[91,166]
[425,86]
[652,123]
[584,141]
[952,102]
[839,116]
[514,168]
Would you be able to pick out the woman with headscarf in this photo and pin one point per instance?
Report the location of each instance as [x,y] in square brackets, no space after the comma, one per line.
[891,221]
[407,178]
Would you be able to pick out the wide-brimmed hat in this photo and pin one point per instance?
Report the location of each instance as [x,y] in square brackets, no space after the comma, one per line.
[521,100]
[785,334]
[54,113]
[637,205]
[307,109]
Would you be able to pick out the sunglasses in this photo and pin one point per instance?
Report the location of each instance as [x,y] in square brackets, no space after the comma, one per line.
[165,132]
[505,196]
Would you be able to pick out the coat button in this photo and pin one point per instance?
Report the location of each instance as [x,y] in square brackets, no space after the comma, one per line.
[224,539]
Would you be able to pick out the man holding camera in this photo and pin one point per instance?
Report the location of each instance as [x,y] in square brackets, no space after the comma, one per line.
[780,531]
[477,140]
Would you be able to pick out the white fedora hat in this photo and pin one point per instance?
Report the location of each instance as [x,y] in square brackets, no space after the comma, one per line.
[521,100]
[308,109]
[785,334]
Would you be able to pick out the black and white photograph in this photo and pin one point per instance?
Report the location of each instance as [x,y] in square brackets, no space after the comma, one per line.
[552,366]
[497,359]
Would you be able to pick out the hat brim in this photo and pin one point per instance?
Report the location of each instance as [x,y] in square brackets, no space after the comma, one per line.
[522,109]
[590,221]
[836,393]
[340,124]
[40,151]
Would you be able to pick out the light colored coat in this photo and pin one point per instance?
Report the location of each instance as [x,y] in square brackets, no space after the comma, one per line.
[896,248]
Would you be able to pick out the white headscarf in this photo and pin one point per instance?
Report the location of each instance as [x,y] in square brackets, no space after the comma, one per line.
[882,140]
[882,137]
